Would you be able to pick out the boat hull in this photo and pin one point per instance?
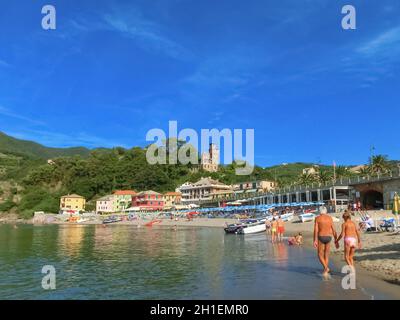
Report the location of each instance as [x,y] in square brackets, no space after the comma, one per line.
[307,217]
[250,229]
[232,229]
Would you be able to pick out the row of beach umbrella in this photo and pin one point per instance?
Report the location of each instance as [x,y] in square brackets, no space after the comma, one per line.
[261,207]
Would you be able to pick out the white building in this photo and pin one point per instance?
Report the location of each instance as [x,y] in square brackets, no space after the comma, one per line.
[204,189]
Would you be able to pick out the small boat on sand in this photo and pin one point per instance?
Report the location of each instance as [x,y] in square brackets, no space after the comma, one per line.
[247,227]
[153,222]
[307,217]
[233,228]
[287,217]
[112,219]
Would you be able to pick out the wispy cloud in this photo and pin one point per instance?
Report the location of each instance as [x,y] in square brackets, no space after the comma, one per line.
[386,43]
[147,34]
[4,63]
[11,114]
[61,140]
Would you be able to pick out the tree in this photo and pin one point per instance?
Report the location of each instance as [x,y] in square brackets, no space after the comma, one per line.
[379,164]
[307,179]
[365,171]
[324,176]
[342,172]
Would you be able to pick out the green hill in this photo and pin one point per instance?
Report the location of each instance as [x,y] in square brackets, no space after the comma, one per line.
[32,149]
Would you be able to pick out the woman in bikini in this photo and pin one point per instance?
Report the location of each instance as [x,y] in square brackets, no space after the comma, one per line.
[352,238]
[274,229]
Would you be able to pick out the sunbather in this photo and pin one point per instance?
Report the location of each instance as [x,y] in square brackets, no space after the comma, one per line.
[296,240]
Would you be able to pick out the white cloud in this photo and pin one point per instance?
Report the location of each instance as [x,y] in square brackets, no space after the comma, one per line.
[4,63]
[61,140]
[386,43]
[147,34]
[11,114]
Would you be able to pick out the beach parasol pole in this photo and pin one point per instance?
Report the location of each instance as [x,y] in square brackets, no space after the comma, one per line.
[396,206]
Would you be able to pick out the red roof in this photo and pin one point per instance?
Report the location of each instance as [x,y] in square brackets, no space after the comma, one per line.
[172,194]
[125,193]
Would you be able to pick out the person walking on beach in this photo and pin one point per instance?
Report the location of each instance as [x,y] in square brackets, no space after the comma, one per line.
[274,229]
[281,228]
[352,239]
[324,230]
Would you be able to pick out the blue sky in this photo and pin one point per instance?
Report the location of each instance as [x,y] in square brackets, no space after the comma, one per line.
[115,69]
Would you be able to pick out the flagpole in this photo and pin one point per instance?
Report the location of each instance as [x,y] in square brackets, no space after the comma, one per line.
[334,171]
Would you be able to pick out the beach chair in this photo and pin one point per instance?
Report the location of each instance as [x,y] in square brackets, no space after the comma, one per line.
[388,225]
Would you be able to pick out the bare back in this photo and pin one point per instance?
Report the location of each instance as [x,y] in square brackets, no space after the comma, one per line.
[350,229]
[324,223]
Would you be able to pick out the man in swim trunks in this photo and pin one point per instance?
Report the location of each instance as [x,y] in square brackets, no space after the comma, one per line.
[352,238]
[281,228]
[324,230]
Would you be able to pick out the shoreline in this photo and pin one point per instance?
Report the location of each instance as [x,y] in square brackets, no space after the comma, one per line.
[379,256]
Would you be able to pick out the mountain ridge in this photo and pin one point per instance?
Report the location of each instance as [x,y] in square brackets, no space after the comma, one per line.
[9,144]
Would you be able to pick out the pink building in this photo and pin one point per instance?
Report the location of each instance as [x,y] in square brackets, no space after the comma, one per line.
[148,201]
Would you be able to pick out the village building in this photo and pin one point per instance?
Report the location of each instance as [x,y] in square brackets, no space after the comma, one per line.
[107,204]
[254,186]
[72,202]
[171,199]
[202,190]
[124,198]
[148,201]
[311,171]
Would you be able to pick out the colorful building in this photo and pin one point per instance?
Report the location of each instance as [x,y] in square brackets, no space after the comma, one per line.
[124,198]
[148,201]
[202,190]
[254,186]
[107,204]
[72,202]
[171,199]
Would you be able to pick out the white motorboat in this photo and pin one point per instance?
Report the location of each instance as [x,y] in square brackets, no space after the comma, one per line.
[252,226]
[307,217]
[287,216]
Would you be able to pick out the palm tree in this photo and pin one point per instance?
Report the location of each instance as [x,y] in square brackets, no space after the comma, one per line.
[379,164]
[324,176]
[306,179]
[342,172]
[365,171]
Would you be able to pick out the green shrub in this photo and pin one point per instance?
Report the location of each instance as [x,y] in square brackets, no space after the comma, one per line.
[39,200]
[7,205]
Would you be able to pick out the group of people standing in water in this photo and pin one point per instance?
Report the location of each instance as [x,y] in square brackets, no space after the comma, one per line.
[276,228]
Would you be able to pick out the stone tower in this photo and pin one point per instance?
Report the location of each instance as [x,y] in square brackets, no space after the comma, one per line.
[210,159]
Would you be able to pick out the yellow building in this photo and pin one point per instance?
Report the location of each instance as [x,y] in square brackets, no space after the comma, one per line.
[72,202]
[172,199]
